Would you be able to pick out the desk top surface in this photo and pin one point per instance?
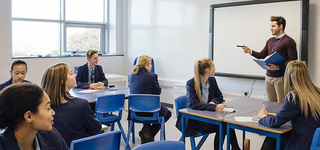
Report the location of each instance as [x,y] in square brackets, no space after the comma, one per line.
[91,95]
[244,107]
[241,106]
[256,125]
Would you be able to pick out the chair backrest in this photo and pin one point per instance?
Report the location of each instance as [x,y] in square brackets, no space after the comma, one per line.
[144,103]
[110,103]
[152,63]
[162,145]
[315,145]
[179,103]
[104,141]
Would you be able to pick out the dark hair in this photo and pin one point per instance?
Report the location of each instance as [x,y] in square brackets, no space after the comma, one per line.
[16,100]
[280,20]
[18,62]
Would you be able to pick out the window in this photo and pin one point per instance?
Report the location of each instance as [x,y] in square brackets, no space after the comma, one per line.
[59,27]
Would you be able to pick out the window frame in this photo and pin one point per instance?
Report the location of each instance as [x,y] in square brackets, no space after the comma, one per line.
[64,24]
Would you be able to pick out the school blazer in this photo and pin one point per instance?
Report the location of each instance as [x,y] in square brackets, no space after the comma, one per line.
[303,129]
[9,82]
[83,76]
[193,102]
[48,140]
[145,83]
[75,120]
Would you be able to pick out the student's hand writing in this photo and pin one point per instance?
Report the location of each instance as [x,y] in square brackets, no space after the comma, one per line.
[220,107]
[246,49]
[262,113]
[272,67]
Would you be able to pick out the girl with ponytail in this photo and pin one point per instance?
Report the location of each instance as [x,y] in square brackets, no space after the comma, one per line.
[203,93]
[142,81]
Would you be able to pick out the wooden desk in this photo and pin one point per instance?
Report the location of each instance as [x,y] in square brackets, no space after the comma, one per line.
[241,106]
[255,127]
[92,96]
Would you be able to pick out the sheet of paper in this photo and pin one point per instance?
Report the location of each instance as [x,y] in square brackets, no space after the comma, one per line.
[88,91]
[228,109]
[244,119]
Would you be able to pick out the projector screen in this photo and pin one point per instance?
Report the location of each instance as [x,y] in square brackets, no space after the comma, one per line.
[248,23]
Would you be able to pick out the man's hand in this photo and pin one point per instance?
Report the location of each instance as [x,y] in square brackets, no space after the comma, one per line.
[93,85]
[100,84]
[272,67]
[246,49]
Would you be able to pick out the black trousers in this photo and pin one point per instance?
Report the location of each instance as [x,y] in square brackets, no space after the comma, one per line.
[154,128]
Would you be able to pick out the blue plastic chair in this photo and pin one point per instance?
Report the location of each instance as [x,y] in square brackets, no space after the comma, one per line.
[144,103]
[162,145]
[104,141]
[105,108]
[179,104]
[152,63]
[315,145]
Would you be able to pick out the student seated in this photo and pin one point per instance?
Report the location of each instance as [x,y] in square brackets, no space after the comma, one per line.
[142,81]
[27,118]
[301,108]
[90,75]
[18,72]
[74,119]
[203,93]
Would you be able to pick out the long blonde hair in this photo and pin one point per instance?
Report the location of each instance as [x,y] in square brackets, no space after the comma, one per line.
[141,63]
[54,83]
[200,67]
[297,82]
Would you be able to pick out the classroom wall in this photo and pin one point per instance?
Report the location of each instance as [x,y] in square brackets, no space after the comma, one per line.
[175,34]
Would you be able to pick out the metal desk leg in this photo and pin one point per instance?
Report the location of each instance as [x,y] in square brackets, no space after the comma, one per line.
[228,137]
[221,135]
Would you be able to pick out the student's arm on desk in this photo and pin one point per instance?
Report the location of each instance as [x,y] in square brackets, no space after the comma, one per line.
[288,111]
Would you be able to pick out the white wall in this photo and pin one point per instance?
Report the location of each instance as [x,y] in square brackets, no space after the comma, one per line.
[175,34]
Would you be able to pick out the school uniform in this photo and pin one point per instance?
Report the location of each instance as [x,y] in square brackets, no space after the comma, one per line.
[47,140]
[75,120]
[303,129]
[193,127]
[83,76]
[147,83]
[193,102]
[9,82]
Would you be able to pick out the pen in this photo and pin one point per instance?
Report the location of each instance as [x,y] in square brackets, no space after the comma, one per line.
[263,106]
[228,112]
[240,46]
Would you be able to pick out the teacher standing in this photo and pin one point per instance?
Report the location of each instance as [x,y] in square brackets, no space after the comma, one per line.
[286,47]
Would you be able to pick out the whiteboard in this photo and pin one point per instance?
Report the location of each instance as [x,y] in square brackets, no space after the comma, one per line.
[248,25]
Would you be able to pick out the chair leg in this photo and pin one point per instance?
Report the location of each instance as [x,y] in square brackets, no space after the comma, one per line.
[122,131]
[133,134]
[163,132]
[203,139]
[193,143]
[112,127]
[128,136]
